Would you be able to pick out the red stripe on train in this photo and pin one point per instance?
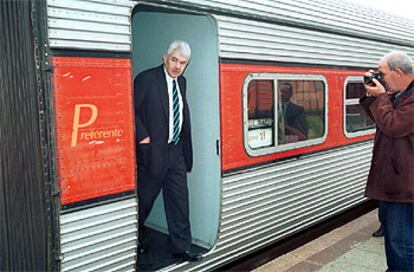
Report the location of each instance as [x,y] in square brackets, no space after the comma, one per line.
[232,77]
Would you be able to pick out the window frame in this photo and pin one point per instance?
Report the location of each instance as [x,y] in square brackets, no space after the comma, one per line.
[350,102]
[276,77]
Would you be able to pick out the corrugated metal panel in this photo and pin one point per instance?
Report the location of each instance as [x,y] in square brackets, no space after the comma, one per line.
[102,238]
[245,39]
[90,24]
[105,25]
[328,15]
[266,204]
[25,215]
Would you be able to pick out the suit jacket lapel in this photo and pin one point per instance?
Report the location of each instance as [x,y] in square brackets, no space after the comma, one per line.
[163,90]
[182,87]
[183,91]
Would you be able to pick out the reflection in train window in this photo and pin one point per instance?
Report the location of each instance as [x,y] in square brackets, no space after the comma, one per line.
[284,112]
[356,120]
[260,99]
[302,106]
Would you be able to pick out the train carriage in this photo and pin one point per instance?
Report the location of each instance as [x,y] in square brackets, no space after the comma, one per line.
[68,159]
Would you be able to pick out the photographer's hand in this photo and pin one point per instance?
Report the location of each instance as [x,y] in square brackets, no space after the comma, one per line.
[375,90]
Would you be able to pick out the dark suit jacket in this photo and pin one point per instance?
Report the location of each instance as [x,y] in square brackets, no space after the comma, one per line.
[295,117]
[151,119]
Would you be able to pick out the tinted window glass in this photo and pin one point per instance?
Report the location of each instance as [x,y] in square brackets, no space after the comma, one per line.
[356,119]
[260,105]
[302,106]
[284,114]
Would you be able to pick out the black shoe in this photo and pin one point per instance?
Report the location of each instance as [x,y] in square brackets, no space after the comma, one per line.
[188,256]
[379,232]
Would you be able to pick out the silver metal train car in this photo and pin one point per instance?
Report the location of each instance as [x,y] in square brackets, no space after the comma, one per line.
[252,183]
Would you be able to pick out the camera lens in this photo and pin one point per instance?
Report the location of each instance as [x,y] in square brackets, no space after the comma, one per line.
[368,80]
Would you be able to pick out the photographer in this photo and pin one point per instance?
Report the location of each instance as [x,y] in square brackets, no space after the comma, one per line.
[389,101]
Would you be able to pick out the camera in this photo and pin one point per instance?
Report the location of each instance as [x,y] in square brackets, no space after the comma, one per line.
[377,75]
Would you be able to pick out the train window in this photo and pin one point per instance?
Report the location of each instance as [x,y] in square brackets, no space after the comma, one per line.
[260,107]
[356,121]
[283,112]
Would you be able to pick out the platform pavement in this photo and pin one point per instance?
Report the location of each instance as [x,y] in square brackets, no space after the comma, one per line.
[348,248]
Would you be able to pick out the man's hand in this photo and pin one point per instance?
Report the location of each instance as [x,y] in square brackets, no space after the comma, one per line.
[376,89]
[146,140]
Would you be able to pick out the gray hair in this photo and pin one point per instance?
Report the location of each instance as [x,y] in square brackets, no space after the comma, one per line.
[180,46]
[397,59]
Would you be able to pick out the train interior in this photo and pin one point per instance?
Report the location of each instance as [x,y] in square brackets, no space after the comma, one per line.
[153,30]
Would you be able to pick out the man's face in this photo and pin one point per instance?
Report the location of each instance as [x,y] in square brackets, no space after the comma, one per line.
[389,77]
[175,63]
[285,92]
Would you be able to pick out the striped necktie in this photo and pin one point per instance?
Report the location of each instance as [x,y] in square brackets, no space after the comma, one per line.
[176,113]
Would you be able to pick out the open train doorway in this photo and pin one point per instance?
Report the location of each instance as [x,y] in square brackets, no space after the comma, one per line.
[153,29]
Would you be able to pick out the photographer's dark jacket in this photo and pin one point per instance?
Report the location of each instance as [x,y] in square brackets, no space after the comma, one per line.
[391,177]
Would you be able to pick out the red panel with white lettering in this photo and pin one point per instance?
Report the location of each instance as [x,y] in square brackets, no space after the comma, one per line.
[94,127]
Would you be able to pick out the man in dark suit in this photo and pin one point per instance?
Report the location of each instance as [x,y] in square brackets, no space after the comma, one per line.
[294,115]
[164,149]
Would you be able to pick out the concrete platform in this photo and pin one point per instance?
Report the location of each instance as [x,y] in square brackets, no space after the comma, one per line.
[348,248]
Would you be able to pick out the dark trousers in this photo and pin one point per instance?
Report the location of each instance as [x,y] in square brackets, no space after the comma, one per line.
[175,195]
[398,222]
